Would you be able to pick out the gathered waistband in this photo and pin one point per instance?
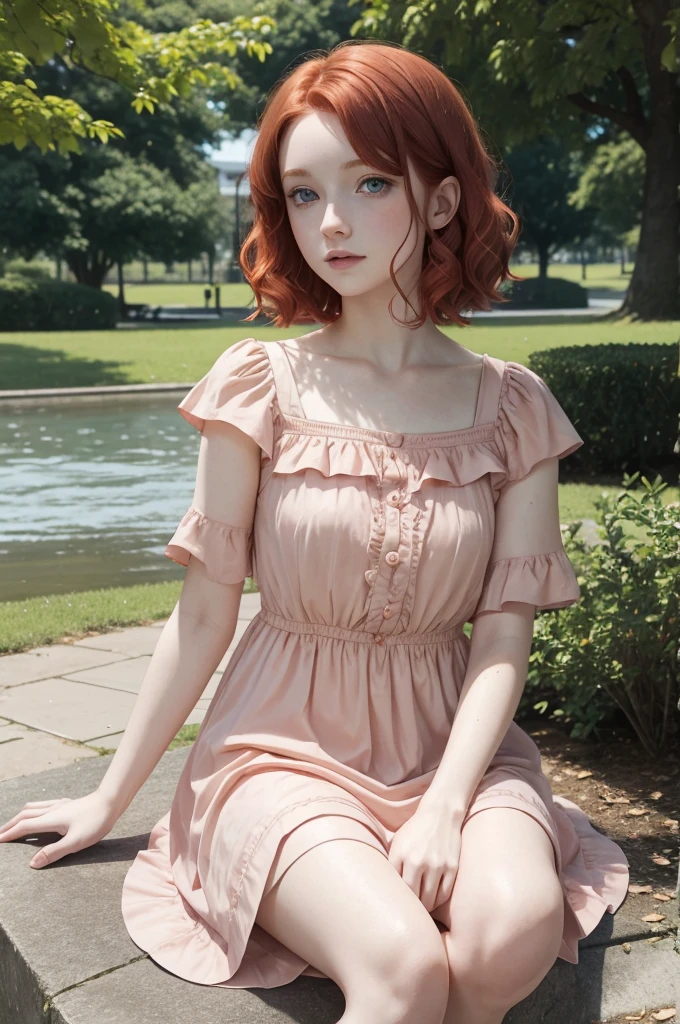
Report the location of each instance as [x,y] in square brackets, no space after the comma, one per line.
[360,636]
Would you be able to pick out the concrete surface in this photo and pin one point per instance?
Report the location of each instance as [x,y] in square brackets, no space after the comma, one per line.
[66,957]
[60,702]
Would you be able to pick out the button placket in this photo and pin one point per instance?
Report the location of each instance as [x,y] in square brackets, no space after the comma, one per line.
[392,572]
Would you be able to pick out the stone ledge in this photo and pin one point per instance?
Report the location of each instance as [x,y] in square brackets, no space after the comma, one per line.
[66,957]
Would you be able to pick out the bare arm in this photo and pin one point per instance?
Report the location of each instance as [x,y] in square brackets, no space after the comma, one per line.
[527,522]
[201,626]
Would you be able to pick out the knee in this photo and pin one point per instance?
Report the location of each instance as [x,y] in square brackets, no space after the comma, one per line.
[412,972]
[510,950]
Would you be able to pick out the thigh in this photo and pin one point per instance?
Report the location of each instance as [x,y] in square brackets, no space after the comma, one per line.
[347,911]
[507,875]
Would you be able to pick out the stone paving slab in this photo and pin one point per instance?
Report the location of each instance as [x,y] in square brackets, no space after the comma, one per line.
[85,691]
[63,708]
[49,661]
[128,676]
[63,941]
[28,751]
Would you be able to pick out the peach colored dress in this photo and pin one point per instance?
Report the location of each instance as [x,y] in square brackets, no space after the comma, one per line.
[370,550]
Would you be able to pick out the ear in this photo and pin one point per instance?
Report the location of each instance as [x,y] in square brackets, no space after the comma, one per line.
[443,203]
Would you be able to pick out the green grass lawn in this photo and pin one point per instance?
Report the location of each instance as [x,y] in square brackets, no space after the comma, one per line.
[181,354]
[598,275]
[184,294]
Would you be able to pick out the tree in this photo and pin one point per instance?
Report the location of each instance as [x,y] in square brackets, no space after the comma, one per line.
[611,183]
[154,68]
[594,64]
[543,173]
[148,194]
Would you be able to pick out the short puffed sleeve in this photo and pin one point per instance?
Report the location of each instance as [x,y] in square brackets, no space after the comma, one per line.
[528,562]
[531,425]
[238,389]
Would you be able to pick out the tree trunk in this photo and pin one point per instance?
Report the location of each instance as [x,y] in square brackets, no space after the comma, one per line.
[121,288]
[654,290]
[543,259]
[584,265]
[88,268]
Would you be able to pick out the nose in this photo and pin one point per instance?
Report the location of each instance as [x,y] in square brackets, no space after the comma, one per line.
[333,221]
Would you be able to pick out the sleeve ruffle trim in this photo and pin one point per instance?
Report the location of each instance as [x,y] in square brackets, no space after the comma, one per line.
[546,581]
[224,549]
[238,389]
[532,425]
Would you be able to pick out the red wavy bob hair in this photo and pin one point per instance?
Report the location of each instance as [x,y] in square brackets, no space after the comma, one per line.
[392,103]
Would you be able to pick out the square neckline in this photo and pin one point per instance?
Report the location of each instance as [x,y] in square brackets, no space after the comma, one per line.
[398,437]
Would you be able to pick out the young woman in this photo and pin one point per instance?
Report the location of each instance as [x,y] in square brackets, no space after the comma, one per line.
[359,803]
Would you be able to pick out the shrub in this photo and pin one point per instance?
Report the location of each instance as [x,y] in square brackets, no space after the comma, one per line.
[624,400]
[34,270]
[619,646]
[37,305]
[543,293]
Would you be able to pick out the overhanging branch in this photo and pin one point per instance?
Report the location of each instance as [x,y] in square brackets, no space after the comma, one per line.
[638,129]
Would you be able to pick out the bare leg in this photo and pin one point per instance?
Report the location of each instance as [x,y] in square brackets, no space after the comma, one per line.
[505,916]
[346,910]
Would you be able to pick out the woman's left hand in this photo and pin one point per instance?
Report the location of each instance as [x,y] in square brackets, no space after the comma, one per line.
[426,851]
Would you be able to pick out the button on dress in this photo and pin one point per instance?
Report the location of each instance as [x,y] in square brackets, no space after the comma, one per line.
[370,549]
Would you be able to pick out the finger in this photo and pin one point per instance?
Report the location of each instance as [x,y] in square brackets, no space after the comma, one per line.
[21,816]
[31,827]
[430,888]
[54,851]
[37,806]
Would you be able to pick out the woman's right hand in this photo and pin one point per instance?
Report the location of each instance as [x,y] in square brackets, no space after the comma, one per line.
[82,822]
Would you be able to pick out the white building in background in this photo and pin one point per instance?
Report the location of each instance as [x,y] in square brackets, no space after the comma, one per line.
[231,160]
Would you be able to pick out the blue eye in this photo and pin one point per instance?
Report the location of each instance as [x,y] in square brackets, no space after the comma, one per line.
[387,185]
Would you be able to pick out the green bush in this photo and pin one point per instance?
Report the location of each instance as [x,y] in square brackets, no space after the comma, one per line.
[543,293]
[27,304]
[34,270]
[624,400]
[618,648]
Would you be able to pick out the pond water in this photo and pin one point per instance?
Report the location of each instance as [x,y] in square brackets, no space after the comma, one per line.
[92,491]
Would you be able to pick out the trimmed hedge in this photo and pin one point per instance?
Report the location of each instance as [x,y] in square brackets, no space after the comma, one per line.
[30,304]
[549,293]
[624,400]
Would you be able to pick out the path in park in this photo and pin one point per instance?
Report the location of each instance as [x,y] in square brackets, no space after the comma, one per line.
[61,701]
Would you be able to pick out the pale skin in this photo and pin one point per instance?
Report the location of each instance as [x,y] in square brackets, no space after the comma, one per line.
[496,871]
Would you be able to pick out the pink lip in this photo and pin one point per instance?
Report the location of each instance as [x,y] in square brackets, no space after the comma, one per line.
[343,261]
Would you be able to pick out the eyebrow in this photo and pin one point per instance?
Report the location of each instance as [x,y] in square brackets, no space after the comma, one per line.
[300,172]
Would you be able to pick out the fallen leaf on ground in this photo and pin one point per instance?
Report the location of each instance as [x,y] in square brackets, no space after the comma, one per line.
[635,889]
[584,775]
[665,1014]
[656,795]
[663,861]
[661,896]
[637,811]
[626,947]
[653,918]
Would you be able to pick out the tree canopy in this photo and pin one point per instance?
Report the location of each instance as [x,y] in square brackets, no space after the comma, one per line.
[94,35]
